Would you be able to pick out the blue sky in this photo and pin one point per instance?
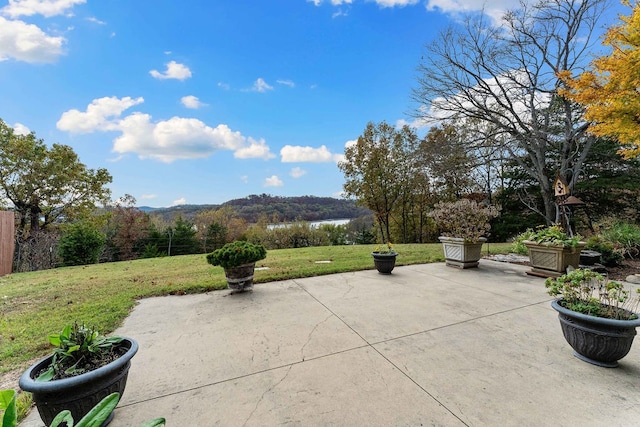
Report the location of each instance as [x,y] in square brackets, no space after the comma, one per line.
[203,101]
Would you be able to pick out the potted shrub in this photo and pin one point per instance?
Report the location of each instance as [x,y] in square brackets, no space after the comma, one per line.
[598,317]
[463,225]
[551,251]
[83,369]
[238,260]
[384,258]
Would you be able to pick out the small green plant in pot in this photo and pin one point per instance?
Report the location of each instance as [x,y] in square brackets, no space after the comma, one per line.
[598,317]
[384,258]
[238,260]
[84,366]
[463,226]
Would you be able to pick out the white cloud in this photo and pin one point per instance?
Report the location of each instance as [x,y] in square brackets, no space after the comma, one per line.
[28,43]
[494,9]
[98,116]
[255,150]
[191,101]
[20,129]
[174,70]
[180,201]
[293,154]
[394,3]
[333,2]
[224,86]
[165,140]
[244,178]
[148,196]
[45,8]
[273,181]
[350,143]
[297,172]
[96,20]
[173,139]
[260,86]
[286,83]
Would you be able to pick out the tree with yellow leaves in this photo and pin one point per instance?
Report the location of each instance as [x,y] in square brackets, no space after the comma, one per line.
[610,91]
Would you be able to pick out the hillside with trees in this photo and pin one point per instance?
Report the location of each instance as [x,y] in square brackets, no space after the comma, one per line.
[275,208]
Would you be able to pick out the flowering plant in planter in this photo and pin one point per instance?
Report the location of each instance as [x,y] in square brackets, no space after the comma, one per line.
[385,248]
[587,292]
[237,253]
[465,219]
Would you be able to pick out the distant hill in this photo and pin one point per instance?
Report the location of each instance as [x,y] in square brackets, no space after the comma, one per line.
[250,208]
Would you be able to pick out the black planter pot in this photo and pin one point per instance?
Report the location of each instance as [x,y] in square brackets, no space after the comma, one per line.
[240,278]
[596,340]
[384,262]
[81,393]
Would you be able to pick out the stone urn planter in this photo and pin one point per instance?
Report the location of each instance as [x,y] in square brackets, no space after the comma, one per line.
[596,340]
[238,260]
[461,253]
[552,260]
[78,394]
[384,262]
[240,278]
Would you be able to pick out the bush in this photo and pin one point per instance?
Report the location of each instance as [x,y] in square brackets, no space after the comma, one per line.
[237,253]
[81,244]
[519,247]
[464,219]
[610,254]
[624,235]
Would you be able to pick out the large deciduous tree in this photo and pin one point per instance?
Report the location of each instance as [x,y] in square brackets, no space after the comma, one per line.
[609,90]
[505,77]
[46,184]
[378,169]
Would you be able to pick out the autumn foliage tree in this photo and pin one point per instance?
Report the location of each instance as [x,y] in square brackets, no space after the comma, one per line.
[378,169]
[609,91]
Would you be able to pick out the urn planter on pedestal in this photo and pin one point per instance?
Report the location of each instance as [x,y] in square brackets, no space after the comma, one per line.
[238,260]
[240,278]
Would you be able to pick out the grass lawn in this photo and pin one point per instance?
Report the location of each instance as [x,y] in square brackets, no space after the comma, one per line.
[34,305]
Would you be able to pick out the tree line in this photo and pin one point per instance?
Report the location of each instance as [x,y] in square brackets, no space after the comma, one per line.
[507,118]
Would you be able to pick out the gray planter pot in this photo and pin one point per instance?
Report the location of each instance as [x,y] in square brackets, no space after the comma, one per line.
[460,253]
[385,263]
[240,278]
[81,393]
[596,340]
[552,261]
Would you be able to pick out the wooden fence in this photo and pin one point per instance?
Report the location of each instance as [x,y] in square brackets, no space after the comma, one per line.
[7,241]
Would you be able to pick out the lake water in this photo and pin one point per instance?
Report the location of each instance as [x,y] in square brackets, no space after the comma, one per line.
[313,224]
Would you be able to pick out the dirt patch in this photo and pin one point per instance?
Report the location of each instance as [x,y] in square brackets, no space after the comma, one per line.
[627,268]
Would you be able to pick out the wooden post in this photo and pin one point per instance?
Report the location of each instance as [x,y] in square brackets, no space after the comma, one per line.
[7,241]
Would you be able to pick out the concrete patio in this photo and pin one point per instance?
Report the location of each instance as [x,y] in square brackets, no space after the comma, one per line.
[427,345]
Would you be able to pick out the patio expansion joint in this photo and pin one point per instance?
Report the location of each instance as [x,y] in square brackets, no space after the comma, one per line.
[392,363]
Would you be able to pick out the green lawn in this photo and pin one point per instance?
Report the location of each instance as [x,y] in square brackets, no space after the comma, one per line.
[34,305]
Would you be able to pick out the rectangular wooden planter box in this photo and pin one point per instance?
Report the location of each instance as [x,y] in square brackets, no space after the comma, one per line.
[552,261]
[461,254]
